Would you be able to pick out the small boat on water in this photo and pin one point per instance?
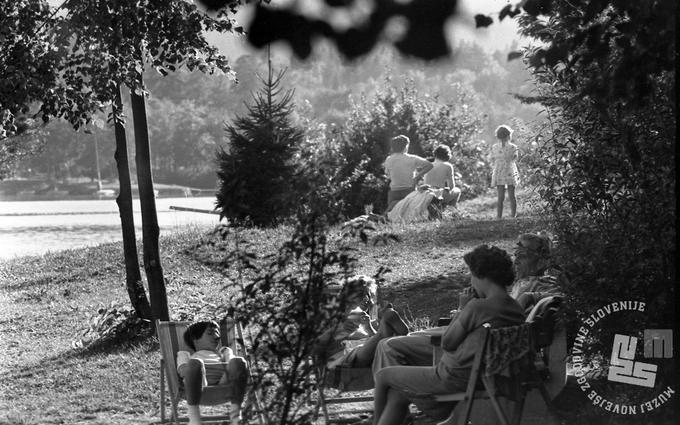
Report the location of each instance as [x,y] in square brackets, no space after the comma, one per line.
[105,193]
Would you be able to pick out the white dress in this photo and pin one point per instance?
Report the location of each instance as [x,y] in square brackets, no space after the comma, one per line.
[503,160]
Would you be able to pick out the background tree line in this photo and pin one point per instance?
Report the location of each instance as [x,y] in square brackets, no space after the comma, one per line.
[187,111]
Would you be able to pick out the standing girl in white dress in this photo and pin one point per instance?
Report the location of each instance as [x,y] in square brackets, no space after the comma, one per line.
[503,159]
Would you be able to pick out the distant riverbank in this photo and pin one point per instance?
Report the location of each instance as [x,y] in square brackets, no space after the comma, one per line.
[83,189]
[36,227]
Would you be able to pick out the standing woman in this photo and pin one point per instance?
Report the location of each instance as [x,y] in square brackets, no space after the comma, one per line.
[403,170]
[503,158]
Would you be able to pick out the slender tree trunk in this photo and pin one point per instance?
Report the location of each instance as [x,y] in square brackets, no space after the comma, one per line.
[133,278]
[150,231]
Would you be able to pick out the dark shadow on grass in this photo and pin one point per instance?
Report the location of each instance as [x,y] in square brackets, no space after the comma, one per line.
[121,338]
[428,297]
[119,344]
[483,230]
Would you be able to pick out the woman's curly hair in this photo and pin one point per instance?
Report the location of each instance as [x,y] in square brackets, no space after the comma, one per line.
[491,262]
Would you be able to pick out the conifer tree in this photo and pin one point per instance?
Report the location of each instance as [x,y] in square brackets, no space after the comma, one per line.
[257,172]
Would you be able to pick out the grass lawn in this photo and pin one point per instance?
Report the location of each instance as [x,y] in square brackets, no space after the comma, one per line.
[46,302]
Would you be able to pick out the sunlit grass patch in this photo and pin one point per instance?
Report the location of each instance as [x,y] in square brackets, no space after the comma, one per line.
[46,302]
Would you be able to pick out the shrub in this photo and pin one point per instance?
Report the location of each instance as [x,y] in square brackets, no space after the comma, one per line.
[608,178]
[257,174]
[286,305]
[363,145]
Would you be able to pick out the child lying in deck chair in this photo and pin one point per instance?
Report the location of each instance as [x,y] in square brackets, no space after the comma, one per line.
[210,364]
[353,343]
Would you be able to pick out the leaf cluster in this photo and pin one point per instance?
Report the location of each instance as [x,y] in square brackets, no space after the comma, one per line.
[114,322]
[71,63]
[361,148]
[286,302]
[424,36]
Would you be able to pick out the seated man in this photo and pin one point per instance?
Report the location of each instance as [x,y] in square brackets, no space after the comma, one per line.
[491,274]
[205,367]
[353,343]
[536,277]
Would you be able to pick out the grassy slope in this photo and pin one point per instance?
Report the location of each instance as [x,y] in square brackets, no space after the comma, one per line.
[45,302]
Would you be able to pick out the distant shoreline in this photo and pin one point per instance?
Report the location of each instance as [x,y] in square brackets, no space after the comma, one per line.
[19,190]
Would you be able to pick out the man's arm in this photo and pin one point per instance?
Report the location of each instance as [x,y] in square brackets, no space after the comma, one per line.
[424,166]
[449,177]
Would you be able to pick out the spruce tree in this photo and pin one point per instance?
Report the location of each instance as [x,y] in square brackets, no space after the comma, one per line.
[257,172]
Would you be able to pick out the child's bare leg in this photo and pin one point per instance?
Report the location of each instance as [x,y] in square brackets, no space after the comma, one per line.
[513,201]
[193,385]
[501,199]
[237,369]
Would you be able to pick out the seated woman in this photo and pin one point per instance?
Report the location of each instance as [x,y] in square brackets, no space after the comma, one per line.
[353,343]
[395,386]
[440,177]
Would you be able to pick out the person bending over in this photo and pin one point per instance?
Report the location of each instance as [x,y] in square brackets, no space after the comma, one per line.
[211,364]
[396,386]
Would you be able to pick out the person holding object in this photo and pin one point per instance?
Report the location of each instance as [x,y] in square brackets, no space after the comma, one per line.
[353,342]
[210,364]
[503,158]
[403,170]
[396,387]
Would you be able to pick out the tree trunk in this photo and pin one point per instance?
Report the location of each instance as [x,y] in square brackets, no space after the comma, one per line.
[150,231]
[133,277]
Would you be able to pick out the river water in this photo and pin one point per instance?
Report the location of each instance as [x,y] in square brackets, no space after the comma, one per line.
[35,227]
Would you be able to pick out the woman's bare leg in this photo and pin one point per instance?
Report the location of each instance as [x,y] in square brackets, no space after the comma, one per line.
[391,325]
[501,199]
[395,410]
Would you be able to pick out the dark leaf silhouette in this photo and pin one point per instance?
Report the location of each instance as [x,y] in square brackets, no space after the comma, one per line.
[514,55]
[482,21]
[509,11]
[425,38]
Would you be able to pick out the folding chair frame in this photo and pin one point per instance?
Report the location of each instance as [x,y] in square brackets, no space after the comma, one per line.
[517,391]
[232,336]
[321,382]
[323,401]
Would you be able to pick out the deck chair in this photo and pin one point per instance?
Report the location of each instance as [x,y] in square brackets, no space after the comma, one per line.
[347,383]
[170,337]
[503,367]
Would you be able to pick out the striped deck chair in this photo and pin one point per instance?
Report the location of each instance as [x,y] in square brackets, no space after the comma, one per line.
[170,337]
[347,383]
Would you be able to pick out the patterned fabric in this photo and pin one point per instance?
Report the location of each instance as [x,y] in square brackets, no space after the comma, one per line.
[503,159]
[506,345]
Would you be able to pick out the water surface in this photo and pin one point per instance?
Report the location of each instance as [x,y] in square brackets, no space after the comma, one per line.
[35,227]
